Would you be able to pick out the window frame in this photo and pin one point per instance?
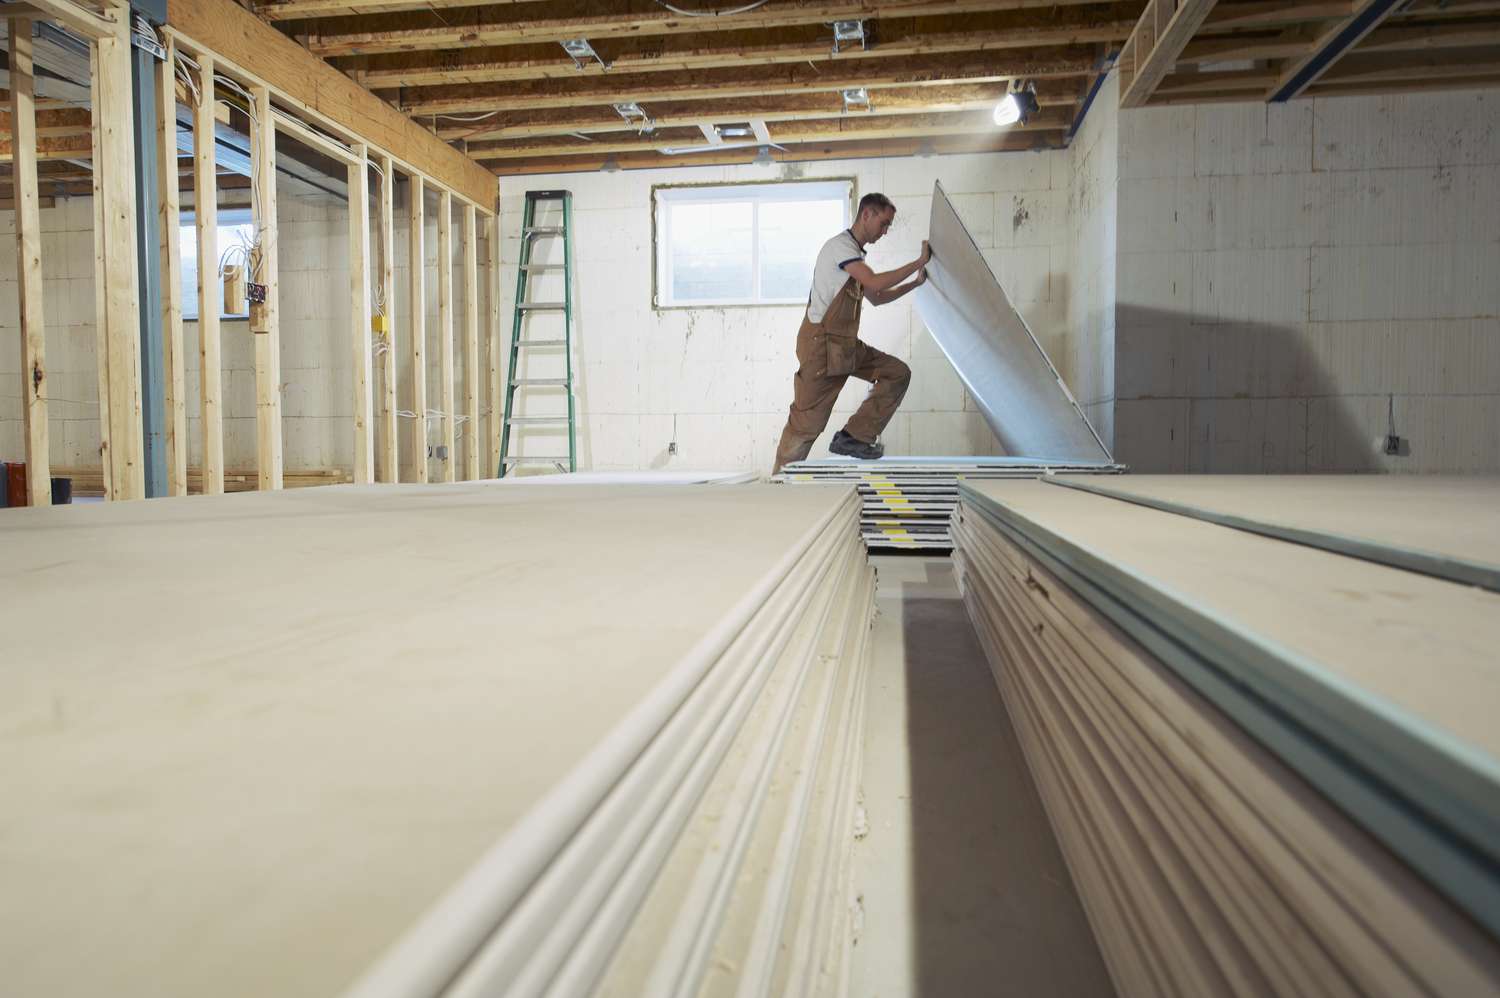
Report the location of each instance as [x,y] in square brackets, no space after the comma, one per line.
[663,195]
[187,219]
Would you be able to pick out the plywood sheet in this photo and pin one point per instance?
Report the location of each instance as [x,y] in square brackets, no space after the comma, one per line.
[1441,525]
[247,741]
[1009,375]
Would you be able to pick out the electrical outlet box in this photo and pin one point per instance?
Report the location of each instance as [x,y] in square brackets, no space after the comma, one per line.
[1393,444]
[255,293]
[380,324]
[442,452]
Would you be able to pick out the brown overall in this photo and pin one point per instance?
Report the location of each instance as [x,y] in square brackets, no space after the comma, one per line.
[828,353]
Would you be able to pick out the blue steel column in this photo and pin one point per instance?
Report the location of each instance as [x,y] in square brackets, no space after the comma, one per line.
[148,266]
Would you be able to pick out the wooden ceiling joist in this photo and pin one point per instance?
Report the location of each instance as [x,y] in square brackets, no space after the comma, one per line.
[795,45]
[581,19]
[975,123]
[800,152]
[288,10]
[1297,74]
[735,83]
[793,107]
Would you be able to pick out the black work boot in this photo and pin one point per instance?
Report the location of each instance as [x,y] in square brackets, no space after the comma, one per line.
[843,443]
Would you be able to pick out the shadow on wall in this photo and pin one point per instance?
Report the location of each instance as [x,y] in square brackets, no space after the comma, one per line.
[1233,397]
[995,911]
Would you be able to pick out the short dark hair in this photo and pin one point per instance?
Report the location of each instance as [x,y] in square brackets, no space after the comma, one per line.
[879,202]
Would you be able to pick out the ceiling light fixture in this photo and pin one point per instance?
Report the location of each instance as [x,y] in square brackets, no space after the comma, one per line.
[763,158]
[635,115]
[856,99]
[847,33]
[580,51]
[1016,106]
[610,164]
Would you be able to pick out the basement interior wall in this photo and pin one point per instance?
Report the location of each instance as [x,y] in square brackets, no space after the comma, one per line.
[1294,280]
[717,381]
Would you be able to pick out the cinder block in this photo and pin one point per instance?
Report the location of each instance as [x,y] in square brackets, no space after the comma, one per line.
[1453,281]
[1266,286]
[1151,435]
[1156,142]
[1253,138]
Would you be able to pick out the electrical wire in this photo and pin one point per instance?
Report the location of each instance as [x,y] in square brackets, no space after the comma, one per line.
[711,13]
[467,117]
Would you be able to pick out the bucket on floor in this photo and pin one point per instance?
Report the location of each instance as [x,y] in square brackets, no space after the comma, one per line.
[62,491]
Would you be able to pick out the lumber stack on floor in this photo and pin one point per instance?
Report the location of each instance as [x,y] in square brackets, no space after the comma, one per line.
[1272,768]
[432,740]
[909,501]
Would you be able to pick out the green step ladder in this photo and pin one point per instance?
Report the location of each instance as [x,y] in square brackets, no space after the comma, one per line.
[525,308]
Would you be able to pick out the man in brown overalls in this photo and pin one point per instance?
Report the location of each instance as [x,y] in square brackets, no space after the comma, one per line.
[829,350]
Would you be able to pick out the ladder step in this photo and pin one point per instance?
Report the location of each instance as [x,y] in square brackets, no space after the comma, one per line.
[536,420]
[543,230]
[560,459]
[541,306]
[542,267]
[541,343]
[551,382]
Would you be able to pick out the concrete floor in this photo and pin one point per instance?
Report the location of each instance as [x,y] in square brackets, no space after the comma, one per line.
[963,889]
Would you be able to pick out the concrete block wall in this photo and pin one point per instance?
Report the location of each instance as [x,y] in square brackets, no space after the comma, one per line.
[1093,193]
[1292,280]
[717,381]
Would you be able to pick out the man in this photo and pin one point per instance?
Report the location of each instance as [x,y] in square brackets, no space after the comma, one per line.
[829,350]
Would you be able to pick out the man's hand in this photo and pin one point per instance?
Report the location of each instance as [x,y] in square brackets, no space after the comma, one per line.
[926,253]
[921,278]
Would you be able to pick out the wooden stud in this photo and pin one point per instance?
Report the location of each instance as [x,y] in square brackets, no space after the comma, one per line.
[445,328]
[359,311]
[115,164]
[87,23]
[206,222]
[389,449]
[471,346]
[101,328]
[416,266]
[29,267]
[492,337]
[295,9]
[264,268]
[169,210]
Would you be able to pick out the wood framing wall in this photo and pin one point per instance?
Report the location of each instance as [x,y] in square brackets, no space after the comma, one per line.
[209,43]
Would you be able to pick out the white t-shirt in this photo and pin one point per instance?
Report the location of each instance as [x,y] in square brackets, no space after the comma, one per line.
[828,272]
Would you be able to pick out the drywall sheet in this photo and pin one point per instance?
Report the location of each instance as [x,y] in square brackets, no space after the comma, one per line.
[633,478]
[280,742]
[1447,526]
[1012,380]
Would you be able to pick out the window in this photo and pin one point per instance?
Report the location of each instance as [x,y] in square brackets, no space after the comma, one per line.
[747,244]
[235,230]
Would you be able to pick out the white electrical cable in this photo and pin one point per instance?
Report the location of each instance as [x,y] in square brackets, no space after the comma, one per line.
[467,117]
[711,13]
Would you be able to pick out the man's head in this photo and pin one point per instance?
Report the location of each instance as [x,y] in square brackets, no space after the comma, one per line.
[874,217]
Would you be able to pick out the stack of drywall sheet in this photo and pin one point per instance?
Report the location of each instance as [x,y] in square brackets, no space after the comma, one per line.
[909,501]
[432,740]
[1272,766]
